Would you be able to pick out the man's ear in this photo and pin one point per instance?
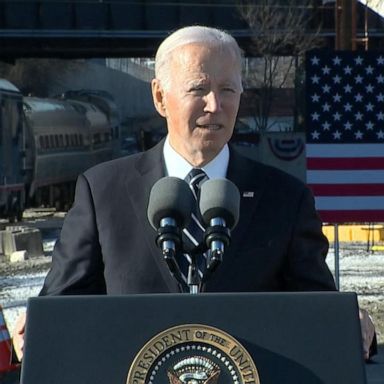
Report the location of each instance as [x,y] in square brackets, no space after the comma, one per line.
[158,97]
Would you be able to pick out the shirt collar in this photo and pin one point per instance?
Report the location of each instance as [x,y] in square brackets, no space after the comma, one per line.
[177,166]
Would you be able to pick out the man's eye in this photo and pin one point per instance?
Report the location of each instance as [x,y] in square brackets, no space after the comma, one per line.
[197,89]
[229,89]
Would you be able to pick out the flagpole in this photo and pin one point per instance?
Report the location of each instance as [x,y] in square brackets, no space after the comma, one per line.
[337,258]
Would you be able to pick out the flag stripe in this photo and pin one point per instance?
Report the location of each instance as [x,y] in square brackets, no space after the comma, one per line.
[339,203]
[345,163]
[348,189]
[344,150]
[345,177]
[351,216]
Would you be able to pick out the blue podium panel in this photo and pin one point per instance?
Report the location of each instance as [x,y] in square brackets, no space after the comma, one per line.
[311,338]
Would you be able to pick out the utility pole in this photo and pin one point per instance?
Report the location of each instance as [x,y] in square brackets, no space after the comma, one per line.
[345,24]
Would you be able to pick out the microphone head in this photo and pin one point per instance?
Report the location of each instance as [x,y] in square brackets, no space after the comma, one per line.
[170,197]
[220,198]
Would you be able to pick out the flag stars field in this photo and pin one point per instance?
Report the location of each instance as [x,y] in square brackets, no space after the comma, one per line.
[345,134]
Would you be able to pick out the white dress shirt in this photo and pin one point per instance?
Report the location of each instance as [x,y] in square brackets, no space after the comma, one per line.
[177,166]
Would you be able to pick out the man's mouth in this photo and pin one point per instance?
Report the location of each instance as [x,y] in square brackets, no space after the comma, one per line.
[211,127]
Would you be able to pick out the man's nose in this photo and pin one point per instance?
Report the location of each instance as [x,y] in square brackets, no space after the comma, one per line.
[212,102]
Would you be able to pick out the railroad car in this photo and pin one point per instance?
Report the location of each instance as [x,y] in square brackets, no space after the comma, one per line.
[46,142]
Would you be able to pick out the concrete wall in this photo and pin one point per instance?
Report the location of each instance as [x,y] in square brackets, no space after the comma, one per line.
[15,239]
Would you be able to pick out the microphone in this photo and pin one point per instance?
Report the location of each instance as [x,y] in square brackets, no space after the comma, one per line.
[169,209]
[219,208]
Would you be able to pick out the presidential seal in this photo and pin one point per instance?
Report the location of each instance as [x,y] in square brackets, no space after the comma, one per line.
[193,354]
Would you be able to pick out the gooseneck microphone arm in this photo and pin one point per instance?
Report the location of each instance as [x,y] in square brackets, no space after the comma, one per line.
[168,240]
[169,209]
[219,208]
[217,237]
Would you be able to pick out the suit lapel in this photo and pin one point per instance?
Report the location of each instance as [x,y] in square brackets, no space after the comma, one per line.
[150,168]
[249,177]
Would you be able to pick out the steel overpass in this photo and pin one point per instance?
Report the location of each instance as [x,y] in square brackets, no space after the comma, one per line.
[98,28]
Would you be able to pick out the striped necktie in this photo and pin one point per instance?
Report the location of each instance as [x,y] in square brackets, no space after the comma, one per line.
[195,178]
[193,235]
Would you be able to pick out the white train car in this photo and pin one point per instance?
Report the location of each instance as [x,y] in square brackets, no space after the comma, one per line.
[46,143]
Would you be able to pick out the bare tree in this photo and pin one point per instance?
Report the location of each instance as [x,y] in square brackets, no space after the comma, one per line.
[281,35]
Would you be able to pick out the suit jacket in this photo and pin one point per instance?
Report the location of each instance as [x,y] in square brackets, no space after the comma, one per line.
[108,246]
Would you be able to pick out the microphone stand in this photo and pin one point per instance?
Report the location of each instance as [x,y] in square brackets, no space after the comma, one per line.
[168,239]
[193,279]
[218,237]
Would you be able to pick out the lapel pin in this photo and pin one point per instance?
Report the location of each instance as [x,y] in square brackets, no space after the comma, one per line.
[248,194]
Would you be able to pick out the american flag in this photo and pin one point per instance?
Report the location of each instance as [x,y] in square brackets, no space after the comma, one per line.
[345,134]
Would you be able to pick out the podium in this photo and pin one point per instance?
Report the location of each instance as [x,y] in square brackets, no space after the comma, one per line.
[266,338]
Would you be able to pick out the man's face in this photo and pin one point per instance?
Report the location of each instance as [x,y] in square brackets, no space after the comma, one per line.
[202,101]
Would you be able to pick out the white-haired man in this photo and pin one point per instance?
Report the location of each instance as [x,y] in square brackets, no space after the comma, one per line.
[107,245]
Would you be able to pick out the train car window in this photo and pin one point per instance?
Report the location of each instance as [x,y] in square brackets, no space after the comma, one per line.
[81,139]
[51,142]
[46,138]
[75,140]
[41,142]
[61,141]
[66,140]
[56,139]
[107,137]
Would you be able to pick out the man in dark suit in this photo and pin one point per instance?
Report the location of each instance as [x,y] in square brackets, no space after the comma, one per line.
[107,245]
